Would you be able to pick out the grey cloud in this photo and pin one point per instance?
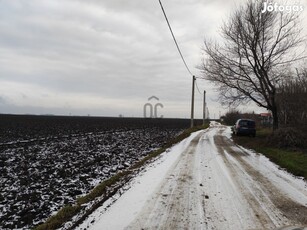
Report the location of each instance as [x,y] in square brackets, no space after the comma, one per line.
[111,49]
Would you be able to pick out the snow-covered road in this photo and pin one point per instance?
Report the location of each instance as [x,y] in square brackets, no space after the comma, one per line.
[207,182]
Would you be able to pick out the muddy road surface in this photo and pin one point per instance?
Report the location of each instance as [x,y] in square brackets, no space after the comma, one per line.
[212,184]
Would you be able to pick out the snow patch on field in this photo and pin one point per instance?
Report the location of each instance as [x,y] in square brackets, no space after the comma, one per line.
[47,162]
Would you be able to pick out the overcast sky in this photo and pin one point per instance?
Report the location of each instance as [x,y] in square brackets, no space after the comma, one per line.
[105,57]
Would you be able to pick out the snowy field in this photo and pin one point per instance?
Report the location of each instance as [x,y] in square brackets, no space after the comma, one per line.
[47,162]
[207,182]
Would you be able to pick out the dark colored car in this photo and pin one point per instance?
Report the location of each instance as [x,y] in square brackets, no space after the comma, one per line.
[245,127]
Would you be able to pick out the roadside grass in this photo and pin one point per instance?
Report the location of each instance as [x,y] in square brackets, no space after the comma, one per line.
[293,160]
[69,211]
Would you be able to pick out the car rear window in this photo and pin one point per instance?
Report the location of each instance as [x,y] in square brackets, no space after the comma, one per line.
[246,123]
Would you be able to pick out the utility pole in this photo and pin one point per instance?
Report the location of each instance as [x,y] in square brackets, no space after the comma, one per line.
[192,106]
[204,108]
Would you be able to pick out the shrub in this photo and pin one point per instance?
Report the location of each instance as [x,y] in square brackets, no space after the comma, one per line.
[287,138]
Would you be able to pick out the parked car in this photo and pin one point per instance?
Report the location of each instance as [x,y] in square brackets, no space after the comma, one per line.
[244,127]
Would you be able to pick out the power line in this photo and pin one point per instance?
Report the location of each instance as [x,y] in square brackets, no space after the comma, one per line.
[197,88]
[169,26]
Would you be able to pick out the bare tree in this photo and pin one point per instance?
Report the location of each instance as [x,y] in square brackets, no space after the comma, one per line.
[258,49]
[292,101]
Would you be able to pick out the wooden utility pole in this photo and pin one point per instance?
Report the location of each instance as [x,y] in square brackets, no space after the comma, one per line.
[204,108]
[192,106]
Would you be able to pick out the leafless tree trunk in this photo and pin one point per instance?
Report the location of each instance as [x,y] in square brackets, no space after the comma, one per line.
[258,49]
[292,102]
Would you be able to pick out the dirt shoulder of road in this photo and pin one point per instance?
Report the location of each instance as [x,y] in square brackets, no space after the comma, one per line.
[290,209]
[292,160]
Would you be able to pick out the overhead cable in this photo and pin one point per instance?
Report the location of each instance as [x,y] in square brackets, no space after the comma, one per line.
[170,28]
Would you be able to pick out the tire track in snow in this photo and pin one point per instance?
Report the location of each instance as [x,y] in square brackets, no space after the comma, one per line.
[268,202]
[212,184]
[177,204]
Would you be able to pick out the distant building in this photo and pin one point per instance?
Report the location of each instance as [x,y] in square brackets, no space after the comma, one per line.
[266,119]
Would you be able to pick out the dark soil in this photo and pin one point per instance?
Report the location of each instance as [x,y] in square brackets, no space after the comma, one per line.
[48,161]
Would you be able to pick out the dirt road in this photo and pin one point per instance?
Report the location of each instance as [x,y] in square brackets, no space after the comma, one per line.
[214,184]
